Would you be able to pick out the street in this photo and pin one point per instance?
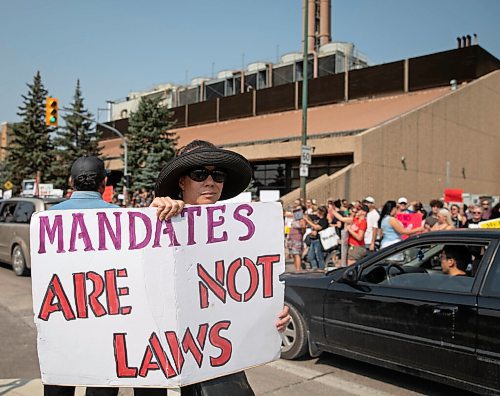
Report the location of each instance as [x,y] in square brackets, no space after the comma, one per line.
[326,375]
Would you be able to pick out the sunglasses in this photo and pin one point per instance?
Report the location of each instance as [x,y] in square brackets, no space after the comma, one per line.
[201,174]
[476,213]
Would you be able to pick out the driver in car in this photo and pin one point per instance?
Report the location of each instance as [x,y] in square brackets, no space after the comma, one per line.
[454,260]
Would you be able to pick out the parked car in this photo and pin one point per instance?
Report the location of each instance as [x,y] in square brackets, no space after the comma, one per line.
[15,217]
[397,309]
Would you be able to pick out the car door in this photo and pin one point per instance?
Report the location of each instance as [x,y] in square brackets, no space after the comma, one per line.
[412,319]
[7,227]
[488,329]
[21,233]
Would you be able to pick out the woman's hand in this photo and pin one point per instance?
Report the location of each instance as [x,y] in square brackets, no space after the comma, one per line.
[283,320]
[167,207]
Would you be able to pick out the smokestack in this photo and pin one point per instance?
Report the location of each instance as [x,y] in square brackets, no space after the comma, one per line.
[469,40]
[463,41]
[311,31]
[459,42]
[475,39]
[325,31]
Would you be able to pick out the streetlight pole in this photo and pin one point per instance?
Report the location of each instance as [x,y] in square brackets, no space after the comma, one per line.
[124,142]
[304,94]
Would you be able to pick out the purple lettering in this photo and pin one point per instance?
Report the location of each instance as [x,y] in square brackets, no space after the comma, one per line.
[169,230]
[190,218]
[116,236]
[79,222]
[245,220]
[51,233]
[133,239]
[213,223]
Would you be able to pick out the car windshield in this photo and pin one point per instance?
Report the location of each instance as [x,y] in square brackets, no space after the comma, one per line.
[421,267]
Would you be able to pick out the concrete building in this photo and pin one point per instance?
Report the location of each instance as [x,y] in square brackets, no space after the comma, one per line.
[5,138]
[412,127]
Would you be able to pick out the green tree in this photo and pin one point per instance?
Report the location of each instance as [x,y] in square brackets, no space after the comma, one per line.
[75,139]
[31,151]
[150,144]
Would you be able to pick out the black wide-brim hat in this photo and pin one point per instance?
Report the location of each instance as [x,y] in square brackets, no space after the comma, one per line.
[239,171]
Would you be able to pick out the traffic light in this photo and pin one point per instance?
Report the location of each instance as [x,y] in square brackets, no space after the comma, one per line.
[51,111]
[127,180]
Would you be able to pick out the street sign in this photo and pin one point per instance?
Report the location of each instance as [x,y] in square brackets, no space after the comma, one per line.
[304,170]
[306,154]
[8,185]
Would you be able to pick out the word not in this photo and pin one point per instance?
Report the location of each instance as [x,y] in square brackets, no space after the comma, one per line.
[56,299]
[155,357]
[108,234]
[225,282]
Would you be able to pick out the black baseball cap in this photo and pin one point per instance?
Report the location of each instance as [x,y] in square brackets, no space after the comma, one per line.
[89,166]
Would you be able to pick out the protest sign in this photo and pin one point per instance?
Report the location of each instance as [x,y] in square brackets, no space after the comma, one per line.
[453,195]
[409,220]
[123,299]
[107,195]
[493,223]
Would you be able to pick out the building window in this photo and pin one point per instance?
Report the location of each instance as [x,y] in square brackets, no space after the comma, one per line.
[124,113]
[284,175]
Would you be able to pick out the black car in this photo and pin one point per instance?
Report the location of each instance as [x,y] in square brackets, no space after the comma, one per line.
[397,309]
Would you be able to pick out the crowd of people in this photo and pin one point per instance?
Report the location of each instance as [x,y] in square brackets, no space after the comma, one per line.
[360,227]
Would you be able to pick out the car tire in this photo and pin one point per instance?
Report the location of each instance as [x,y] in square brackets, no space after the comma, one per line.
[18,261]
[294,338]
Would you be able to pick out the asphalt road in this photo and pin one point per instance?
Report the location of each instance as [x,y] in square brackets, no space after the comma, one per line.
[326,375]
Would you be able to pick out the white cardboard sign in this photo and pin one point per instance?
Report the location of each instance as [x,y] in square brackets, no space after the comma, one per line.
[122,299]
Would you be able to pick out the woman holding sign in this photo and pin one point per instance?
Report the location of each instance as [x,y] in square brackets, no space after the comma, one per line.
[202,174]
[391,228]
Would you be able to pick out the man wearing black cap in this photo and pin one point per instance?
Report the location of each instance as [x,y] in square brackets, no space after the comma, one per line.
[89,181]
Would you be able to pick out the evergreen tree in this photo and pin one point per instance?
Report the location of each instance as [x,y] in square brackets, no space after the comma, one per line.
[76,139]
[30,150]
[150,145]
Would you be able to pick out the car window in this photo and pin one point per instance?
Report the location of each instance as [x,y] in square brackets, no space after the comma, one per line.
[430,266]
[23,212]
[492,284]
[7,212]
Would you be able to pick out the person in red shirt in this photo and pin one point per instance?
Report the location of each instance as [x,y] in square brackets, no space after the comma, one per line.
[356,228]
[356,231]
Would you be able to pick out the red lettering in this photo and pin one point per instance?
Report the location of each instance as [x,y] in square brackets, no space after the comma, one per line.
[210,283]
[55,291]
[267,273]
[220,342]
[175,350]
[120,347]
[189,345]
[98,283]
[161,356]
[80,295]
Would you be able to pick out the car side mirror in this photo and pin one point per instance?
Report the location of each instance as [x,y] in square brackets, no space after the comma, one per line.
[350,275]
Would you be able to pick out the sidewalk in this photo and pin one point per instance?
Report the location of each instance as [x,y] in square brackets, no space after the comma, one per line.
[34,387]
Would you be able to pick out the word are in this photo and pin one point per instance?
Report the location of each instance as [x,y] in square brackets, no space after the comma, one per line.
[103,288]
[155,357]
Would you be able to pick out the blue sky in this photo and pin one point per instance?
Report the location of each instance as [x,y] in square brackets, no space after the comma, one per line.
[115,47]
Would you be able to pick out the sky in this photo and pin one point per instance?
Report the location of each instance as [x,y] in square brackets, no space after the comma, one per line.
[116,47]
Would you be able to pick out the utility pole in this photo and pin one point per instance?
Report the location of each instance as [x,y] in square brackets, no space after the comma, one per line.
[124,142]
[304,168]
